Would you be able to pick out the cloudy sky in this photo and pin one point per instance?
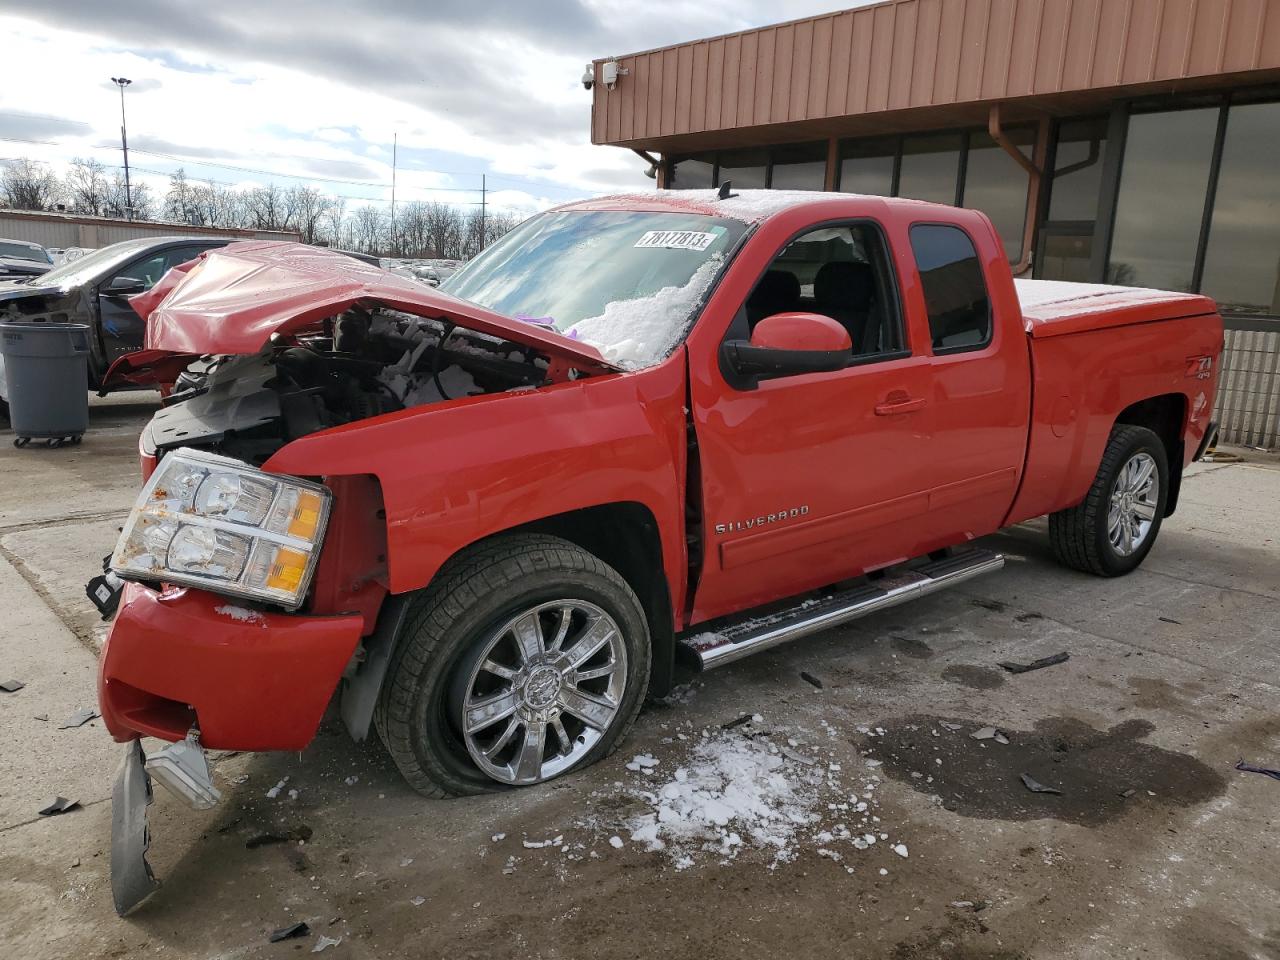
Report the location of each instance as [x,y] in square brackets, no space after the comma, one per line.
[241,92]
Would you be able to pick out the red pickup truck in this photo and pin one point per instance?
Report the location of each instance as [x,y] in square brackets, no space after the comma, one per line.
[490,517]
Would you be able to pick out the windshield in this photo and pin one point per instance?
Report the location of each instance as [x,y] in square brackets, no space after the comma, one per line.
[20,251]
[626,283]
[95,264]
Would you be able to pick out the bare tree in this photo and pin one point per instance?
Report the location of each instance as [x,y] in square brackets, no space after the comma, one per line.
[309,206]
[25,185]
[87,187]
[179,200]
[334,216]
[118,199]
[370,228]
[442,231]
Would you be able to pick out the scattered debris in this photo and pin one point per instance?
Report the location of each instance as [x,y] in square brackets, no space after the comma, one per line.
[962,904]
[351,781]
[810,679]
[44,717]
[539,844]
[1169,620]
[989,733]
[1035,786]
[791,754]
[299,929]
[79,718]
[324,943]
[1265,771]
[643,762]
[59,805]
[1126,794]
[1035,664]
[900,849]
[498,837]
[950,726]
[616,842]
[299,834]
[275,791]
[997,606]
[418,901]
[11,686]
[406,861]
[745,718]
[1029,616]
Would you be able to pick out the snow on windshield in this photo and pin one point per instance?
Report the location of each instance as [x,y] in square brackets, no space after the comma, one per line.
[637,333]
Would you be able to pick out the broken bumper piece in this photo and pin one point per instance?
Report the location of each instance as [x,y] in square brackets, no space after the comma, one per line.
[131,878]
[183,769]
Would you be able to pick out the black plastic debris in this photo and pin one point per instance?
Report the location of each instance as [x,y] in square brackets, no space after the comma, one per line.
[1029,616]
[1126,794]
[59,805]
[79,718]
[1265,771]
[745,718]
[299,929]
[11,686]
[1035,786]
[1169,620]
[1040,664]
[810,679]
[43,717]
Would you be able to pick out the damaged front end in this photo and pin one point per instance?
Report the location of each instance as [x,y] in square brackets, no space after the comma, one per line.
[234,625]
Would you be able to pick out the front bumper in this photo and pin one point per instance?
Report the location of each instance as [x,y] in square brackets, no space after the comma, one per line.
[248,679]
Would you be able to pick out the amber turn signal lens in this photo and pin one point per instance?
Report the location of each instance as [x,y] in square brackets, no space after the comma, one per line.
[287,570]
[306,515]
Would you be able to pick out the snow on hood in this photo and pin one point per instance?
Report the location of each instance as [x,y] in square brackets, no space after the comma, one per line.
[232,299]
[749,206]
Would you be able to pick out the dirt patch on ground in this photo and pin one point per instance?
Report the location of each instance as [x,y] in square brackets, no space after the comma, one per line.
[1094,769]
[974,677]
[911,647]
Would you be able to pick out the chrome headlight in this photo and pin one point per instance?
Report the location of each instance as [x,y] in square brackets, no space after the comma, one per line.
[220,524]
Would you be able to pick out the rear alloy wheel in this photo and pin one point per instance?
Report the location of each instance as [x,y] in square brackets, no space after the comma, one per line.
[545,688]
[1112,530]
[527,658]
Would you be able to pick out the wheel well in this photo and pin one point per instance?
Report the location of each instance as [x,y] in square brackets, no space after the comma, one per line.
[625,536]
[1165,416]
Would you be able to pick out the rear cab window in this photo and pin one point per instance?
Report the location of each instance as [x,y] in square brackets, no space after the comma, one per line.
[955,290]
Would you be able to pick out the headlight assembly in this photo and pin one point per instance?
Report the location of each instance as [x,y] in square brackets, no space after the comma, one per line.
[217,523]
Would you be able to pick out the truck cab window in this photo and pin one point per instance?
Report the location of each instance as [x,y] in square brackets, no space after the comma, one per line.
[955,292]
[839,272]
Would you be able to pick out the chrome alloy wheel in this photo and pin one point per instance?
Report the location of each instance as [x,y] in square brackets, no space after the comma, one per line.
[544,688]
[1134,501]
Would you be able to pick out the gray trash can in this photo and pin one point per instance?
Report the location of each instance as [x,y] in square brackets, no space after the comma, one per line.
[46,371]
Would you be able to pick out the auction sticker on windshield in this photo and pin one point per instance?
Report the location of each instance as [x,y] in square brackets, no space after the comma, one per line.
[677,239]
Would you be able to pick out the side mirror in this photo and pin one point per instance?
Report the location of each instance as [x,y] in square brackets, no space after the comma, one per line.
[787,343]
[124,287]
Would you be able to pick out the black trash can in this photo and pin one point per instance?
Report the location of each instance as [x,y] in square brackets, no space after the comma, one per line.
[46,372]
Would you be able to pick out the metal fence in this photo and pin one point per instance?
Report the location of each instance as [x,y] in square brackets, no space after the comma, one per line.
[1248,404]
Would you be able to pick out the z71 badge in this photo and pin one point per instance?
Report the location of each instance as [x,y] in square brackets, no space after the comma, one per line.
[762,521]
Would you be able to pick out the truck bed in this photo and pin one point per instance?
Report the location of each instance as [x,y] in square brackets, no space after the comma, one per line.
[1053,308]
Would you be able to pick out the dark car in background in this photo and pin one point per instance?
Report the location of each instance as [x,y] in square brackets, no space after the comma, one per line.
[20,259]
[95,290]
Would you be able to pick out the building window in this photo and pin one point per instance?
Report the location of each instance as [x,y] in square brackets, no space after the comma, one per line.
[866,166]
[930,167]
[747,169]
[1161,199]
[799,167]
[997,185]
[1242,259]
[1077,170]
[955,292]
[692,174]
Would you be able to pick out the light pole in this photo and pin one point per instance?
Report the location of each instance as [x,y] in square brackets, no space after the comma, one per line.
[123,82]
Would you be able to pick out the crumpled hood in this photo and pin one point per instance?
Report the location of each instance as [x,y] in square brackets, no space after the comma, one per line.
[231,300]
[16,266]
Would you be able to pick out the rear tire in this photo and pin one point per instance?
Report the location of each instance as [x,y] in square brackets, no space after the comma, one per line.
[1112,530]
[492,634]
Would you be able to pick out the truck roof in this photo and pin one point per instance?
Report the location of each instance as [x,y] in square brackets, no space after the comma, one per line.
[749,206]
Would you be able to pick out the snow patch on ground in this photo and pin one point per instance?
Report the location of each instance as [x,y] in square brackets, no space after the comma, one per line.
[638,333]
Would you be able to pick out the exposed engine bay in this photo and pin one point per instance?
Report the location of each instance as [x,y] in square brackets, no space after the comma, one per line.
[362,364]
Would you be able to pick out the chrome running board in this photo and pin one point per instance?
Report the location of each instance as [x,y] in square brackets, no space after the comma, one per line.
[745,637]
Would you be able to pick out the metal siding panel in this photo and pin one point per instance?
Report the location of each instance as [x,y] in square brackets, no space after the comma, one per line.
[684,87]
[1175,27]
[640,111]
[1243,33]
[820,77]
[1269,38]
[1207,35]
[1110,33]
[999,37]
[780,67]
[928,40]
[1140,41]
[864,27]
[974,49]
[670,80]
[1024,48]
[732,78]
[757,71]
[1052,46]
[802,78]
[715,86]
[697,109]
[613,100]
[627,107]
[746,80]
[905,51]
[841,64]
[947,66]
[1078,54]
[881,57]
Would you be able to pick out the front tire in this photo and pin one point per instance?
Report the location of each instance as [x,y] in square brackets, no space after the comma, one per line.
[1112,530]
[528,659]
